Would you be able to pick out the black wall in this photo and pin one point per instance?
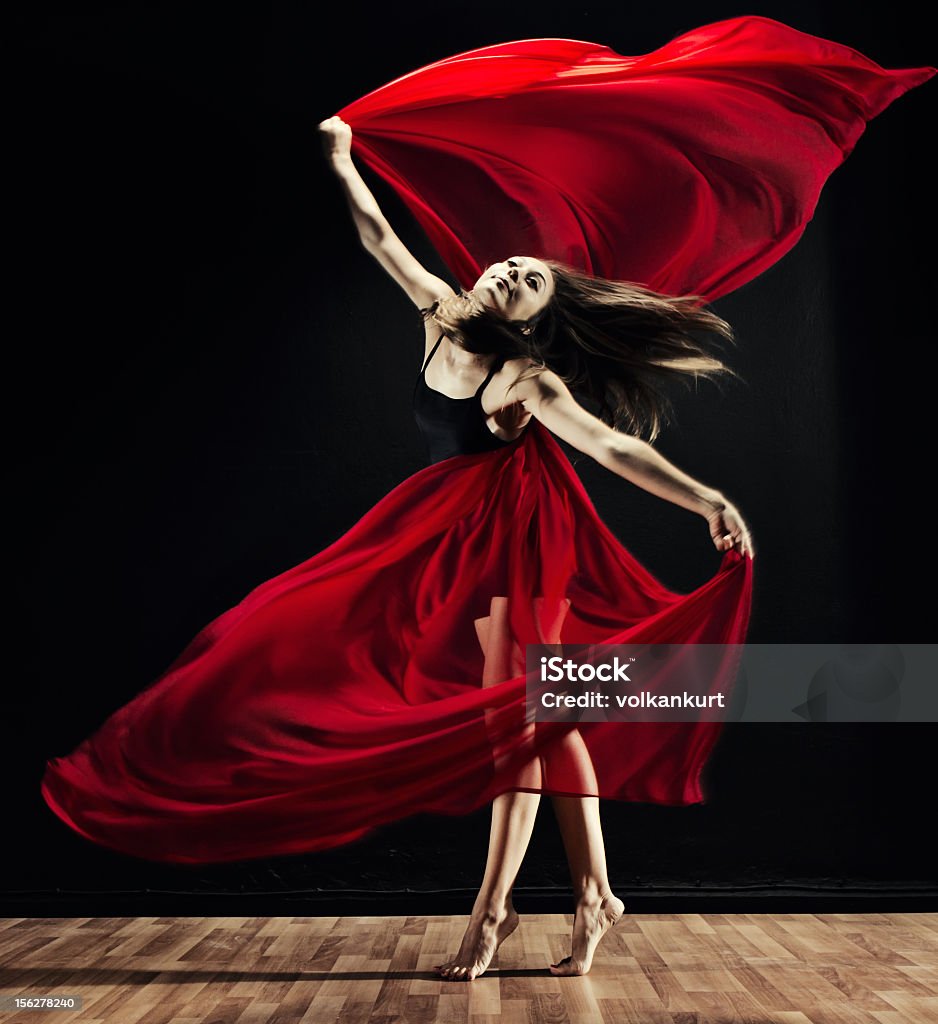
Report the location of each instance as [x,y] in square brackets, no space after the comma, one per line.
[210,382]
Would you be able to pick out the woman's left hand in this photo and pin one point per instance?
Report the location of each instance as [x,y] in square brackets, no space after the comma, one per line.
[728,529]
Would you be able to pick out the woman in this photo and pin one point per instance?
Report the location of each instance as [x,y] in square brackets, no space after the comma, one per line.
[385,676]
[480,386]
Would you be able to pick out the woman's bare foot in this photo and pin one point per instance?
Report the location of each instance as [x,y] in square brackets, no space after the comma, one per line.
[486,932]
[593,918]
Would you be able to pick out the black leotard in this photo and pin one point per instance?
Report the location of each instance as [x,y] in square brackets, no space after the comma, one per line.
[454,426]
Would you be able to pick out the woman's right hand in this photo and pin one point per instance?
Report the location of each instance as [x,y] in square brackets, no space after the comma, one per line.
[728,529]
[336,137]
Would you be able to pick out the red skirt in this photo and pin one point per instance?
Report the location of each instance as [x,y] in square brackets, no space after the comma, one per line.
[384,677]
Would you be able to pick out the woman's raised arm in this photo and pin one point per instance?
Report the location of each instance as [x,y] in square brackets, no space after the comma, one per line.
[422,287]
[549,400]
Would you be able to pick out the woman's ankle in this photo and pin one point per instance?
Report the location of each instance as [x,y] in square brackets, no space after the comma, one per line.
[493,906]
[592,893]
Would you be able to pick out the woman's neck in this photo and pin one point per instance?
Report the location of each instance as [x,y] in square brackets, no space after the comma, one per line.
[459,360]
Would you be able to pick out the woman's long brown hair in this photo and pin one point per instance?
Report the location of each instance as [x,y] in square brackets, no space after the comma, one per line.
[617,342]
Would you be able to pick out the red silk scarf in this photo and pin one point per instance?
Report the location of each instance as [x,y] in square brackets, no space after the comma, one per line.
[690,169]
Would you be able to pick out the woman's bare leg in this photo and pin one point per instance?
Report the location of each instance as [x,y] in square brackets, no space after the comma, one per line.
[597,909]
[493,916]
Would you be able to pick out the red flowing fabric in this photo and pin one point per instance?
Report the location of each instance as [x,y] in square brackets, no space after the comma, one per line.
[384,676]
[690,169]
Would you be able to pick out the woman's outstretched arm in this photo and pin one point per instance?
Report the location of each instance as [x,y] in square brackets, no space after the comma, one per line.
[549,400]
[422,287]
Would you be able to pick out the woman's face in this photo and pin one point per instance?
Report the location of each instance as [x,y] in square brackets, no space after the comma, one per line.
[518,289]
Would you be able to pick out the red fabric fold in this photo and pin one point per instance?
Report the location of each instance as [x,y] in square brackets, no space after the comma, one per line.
[690,169]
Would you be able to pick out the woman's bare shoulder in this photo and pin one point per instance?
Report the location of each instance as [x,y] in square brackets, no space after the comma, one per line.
[431,329]
[513,368]
[431,335]
[519,364]
[433,289]
[543,384]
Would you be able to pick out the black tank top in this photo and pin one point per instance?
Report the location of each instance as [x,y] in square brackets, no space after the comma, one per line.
[454,426]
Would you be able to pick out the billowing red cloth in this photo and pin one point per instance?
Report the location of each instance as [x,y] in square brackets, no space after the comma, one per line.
[383,677]
[690,169]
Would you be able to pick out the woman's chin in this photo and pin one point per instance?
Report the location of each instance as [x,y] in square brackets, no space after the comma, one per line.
[485,297]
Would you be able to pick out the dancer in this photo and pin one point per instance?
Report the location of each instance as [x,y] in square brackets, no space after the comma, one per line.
[384,676]
[477,391]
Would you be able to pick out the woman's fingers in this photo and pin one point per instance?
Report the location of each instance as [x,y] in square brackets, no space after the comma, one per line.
[729,530]
[742,542]
[334,127]
[336,136]
[333,122]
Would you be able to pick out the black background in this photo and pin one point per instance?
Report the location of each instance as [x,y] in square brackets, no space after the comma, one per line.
[210,381]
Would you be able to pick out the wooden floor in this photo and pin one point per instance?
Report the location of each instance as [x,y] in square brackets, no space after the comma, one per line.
[651,968]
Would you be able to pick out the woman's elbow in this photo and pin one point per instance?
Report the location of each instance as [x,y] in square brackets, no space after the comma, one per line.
[615,449]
